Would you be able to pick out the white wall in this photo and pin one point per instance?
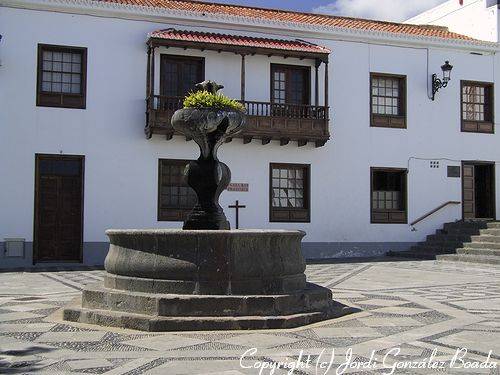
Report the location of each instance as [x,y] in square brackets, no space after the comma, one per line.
[121,164]
[475,18]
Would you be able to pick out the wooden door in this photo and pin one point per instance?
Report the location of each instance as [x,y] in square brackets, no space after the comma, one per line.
[58,208]
[290,84]
[468,193]
[179,74]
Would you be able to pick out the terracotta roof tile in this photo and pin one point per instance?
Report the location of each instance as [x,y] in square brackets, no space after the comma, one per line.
[247,41]
[297,17]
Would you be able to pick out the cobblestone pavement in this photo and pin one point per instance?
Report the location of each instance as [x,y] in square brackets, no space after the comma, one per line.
[423,308]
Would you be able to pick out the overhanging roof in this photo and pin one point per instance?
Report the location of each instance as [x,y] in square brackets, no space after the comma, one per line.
[237,44]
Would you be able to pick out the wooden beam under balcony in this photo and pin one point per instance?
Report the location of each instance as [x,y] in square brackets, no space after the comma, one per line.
[265,121]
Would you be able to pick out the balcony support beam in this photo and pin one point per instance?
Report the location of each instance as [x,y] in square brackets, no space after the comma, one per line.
[326,88]
[152,85]
[242,77]
[316,79]
[148,73]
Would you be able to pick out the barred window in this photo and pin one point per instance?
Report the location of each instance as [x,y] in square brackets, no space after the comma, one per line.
[474,102]
[62,72]
[388,194]
[289,192]
[61,76]
[175,198]
[386,96]
[388,102]
[477,107]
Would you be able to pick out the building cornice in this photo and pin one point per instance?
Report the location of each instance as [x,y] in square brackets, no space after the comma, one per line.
[258,25]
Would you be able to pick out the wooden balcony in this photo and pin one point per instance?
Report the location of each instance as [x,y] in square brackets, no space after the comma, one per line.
[265,121]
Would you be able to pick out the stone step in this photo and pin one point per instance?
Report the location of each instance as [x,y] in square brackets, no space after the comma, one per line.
[313,298]
[484,238]
[480,259]
[436,249]
[466,225]
[492,252]
[490,231]
[412,255]
[440,238]
[493,224]
[461,231]
[481,245]
[152,323]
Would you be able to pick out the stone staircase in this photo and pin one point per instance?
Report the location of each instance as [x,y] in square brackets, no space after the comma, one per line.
[474,241]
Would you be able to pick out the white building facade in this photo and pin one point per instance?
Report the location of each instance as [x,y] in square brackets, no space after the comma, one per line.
[344,143]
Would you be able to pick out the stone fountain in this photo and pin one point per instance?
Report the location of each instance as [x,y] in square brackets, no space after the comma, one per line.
[205,276]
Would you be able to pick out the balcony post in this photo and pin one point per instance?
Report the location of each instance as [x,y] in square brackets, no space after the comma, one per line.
[326,89]
[242,77]
[148,73]
[316,79]
[152,84]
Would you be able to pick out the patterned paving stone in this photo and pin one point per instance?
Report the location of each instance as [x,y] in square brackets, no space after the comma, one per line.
[419,307]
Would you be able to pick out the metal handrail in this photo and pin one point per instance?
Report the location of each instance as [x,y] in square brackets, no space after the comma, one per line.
[433,211]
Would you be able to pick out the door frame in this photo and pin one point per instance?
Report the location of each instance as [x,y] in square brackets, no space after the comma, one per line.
[493,181]
[38,157]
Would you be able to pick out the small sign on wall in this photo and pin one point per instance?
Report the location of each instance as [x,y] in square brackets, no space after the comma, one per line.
[238,186]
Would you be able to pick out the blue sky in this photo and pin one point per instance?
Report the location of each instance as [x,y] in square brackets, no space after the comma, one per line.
[389,10]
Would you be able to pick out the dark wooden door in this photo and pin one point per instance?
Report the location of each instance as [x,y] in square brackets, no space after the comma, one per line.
[179,74]
[290,84]
[58,208]
[468,193]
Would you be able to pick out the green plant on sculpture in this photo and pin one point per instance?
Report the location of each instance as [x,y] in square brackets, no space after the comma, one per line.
[206,99]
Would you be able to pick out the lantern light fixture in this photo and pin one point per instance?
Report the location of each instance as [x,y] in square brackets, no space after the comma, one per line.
[438,83]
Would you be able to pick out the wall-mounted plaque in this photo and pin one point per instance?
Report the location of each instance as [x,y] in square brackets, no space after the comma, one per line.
[237,186]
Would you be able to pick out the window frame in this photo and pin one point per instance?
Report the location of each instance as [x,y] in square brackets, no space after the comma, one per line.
[475,126]
[287,67]
[65,100]
[177,214]
[390,121]
[306,198]
[390,219]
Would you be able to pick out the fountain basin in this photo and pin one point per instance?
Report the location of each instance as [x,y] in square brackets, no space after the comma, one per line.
[224,262]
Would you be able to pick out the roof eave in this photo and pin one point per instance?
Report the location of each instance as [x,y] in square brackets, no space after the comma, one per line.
[156,14]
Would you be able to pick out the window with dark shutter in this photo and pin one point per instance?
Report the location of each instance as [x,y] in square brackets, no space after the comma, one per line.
[62,76]
[175,198]
[388,195]
[477,107]
[290,194]
[388,100]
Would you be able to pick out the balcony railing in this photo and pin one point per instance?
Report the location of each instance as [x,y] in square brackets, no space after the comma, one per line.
[265,121]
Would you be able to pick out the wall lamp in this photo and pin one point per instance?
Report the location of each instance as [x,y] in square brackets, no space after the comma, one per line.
[439,83]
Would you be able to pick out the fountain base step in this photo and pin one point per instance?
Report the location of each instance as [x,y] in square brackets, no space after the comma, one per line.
[185,312]
[151,323]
